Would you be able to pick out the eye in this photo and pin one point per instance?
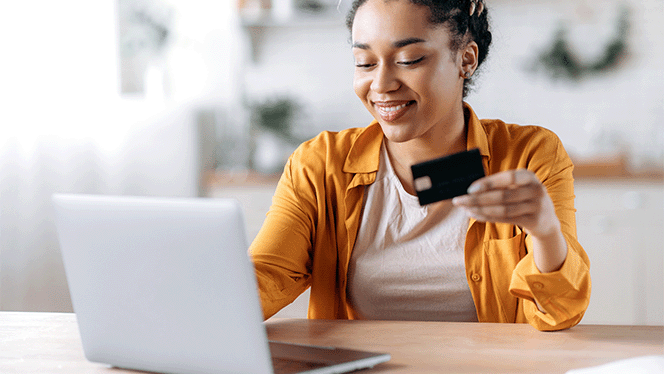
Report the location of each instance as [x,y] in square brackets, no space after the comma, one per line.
[411,62]
[363,65]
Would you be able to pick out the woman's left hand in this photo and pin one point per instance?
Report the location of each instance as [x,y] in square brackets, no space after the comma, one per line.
[514,196]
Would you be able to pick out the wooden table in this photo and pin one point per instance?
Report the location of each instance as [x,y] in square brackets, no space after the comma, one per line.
[49,343]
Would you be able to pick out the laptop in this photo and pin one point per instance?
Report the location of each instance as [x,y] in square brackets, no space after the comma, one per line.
[166,285]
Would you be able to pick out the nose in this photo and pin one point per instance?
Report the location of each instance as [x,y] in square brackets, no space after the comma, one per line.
[384,80]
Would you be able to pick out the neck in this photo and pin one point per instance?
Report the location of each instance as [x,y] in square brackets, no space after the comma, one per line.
[440,141]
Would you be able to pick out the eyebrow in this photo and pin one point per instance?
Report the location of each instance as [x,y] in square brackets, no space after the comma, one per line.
[398,44]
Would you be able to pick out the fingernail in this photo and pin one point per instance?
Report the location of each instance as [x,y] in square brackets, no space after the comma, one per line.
[474,188]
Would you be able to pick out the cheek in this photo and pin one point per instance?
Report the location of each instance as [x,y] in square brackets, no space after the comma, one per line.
[361,85]
[437,85]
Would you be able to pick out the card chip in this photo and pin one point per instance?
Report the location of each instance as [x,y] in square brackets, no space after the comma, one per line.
[423,183]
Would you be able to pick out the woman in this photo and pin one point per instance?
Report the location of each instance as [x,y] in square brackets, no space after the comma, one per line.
[344,219]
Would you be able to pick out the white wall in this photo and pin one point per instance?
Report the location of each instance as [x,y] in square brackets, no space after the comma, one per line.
[627,104]
[312,63]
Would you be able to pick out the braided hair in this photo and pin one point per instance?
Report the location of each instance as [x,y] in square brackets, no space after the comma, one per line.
[467,20]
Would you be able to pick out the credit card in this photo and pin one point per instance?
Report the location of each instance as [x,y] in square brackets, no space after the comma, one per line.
[446,177]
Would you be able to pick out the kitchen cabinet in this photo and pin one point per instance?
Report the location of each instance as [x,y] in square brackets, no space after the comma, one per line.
[620,223]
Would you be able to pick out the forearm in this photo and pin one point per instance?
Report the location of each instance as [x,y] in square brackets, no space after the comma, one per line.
[550,250]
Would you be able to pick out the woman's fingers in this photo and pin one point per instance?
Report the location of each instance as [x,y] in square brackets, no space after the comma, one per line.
[506,212]
[513,196]
[505,179]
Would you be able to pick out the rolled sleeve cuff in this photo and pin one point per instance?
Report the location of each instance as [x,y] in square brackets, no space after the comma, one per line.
[563,294]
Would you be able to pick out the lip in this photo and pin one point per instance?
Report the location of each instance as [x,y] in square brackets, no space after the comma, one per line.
[390,111]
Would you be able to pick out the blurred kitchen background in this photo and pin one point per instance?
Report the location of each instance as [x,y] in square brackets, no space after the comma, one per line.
[208,98]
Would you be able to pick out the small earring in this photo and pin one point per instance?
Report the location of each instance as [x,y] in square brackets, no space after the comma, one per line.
[467,75]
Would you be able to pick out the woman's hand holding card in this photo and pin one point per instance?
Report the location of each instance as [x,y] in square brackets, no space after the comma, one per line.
[518,197]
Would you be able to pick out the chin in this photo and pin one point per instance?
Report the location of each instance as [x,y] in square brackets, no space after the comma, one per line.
[397,133]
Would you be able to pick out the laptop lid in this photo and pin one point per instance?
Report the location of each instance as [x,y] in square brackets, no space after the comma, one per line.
[162,284]
[166,285]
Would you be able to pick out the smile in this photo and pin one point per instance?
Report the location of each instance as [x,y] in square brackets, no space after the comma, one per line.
[394,108]
[391,111]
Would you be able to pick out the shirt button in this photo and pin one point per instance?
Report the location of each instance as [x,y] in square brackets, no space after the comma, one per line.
[538,285]
[476,277]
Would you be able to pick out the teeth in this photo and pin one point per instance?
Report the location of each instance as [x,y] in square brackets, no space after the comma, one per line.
[393,108]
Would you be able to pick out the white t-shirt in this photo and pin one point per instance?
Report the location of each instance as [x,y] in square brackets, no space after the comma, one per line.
[408,260]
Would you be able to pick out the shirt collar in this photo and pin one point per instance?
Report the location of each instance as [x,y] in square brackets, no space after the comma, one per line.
[476,136]
[364,154]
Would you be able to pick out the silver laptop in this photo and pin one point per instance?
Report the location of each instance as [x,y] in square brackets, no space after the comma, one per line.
[166,285]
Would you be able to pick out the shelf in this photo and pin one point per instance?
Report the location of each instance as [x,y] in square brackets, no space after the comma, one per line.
[258,25]
[215,179]
[327,19]
[615,168]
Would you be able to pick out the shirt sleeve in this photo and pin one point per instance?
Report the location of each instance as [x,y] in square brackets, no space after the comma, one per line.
[281,252]
[564,294]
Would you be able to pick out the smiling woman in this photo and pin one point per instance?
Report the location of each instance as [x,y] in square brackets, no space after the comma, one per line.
[410,79]
[345,220]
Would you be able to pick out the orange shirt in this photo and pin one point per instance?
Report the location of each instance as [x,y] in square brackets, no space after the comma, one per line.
[310,230]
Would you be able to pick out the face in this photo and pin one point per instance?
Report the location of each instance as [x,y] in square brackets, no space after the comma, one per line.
[406,74]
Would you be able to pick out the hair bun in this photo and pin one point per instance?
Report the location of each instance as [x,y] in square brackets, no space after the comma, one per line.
[476,4]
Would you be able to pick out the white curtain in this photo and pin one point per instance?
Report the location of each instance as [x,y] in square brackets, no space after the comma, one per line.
[65,128]
[158,160]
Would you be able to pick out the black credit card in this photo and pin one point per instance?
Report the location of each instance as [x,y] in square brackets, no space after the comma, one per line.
[447,177]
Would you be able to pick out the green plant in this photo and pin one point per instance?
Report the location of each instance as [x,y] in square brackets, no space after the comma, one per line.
[276,116]
[560,61]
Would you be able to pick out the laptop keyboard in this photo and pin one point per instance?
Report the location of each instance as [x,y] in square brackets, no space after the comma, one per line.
[286,366]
